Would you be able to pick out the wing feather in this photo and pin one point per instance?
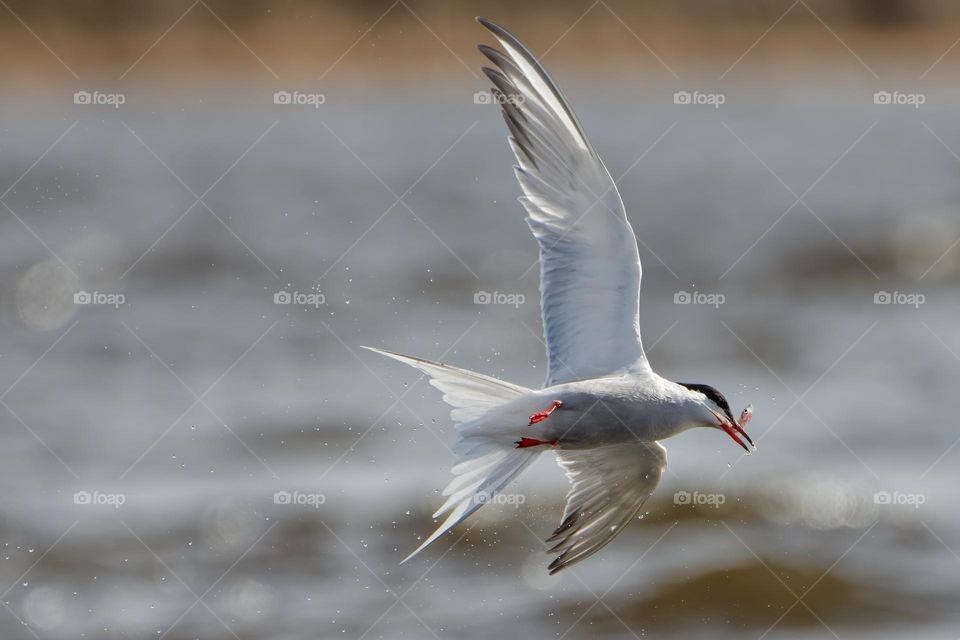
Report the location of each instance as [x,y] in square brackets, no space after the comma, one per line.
[589,264]
[608,487]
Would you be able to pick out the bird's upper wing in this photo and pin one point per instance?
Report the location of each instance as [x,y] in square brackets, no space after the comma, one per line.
[608,488]
[589,264]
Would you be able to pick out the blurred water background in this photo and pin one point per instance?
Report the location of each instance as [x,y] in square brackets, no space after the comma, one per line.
[154,436]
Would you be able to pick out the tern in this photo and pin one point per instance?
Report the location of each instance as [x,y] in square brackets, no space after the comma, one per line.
[602,410]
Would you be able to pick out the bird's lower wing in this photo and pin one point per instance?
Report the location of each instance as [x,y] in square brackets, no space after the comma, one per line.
[609,486]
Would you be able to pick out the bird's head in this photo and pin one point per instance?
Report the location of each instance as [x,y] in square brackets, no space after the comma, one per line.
[717,414]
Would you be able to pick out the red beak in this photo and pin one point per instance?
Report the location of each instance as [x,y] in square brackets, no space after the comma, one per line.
[733,429]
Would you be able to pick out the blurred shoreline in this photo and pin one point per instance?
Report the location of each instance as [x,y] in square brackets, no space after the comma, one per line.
[333,43]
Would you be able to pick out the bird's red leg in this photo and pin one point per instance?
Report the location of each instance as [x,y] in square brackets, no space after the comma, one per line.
[523,443]
[540,416]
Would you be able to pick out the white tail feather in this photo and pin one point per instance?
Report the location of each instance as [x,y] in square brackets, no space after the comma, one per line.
[469,393]
[487,462]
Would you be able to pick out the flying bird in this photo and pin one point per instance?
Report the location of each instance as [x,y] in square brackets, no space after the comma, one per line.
[602,410]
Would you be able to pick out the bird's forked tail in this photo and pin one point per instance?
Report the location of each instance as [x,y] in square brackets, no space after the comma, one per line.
[487,460]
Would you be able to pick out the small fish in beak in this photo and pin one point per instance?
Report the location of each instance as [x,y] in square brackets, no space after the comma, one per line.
[746,415]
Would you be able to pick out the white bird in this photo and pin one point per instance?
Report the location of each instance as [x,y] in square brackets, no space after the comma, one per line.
[603,410]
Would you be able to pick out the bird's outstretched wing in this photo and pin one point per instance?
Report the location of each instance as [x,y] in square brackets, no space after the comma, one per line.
[589,264]
[608,488]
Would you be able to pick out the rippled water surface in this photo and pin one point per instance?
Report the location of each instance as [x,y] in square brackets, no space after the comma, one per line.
[182,408]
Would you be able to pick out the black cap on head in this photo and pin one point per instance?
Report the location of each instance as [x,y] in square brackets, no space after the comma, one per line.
[715,396]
